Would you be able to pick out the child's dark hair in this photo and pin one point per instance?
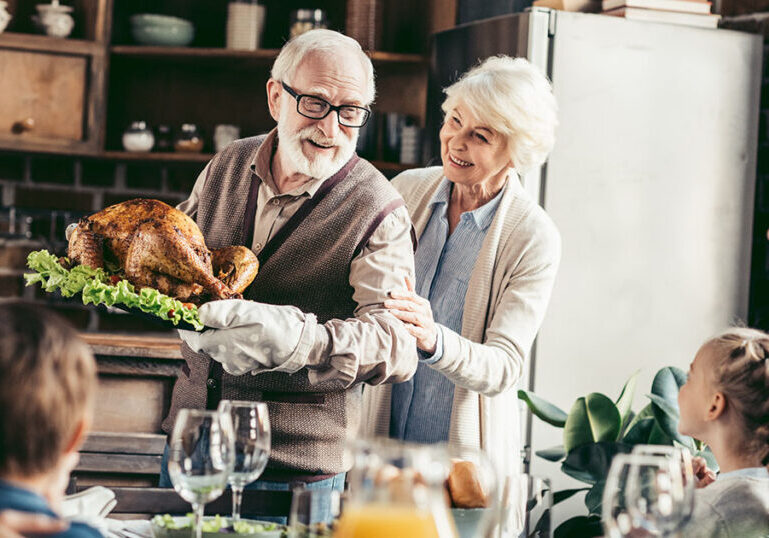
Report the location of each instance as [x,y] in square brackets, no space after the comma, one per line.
[47,383]
[741,359]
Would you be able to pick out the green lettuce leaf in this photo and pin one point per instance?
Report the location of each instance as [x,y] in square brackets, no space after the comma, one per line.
[95,287]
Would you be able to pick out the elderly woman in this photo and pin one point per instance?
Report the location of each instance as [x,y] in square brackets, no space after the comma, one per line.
[485,266]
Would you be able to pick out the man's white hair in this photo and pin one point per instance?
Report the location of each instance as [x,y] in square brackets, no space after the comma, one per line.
[514,98]
[323,42]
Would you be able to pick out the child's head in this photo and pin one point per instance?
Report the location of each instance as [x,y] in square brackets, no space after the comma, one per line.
[728,383]
[47,382]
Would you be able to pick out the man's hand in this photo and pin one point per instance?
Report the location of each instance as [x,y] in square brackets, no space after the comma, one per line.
[14,524]
[248,336]
[702,474]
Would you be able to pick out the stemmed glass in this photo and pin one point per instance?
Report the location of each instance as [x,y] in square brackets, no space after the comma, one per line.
[200,458]
[643,496]
[656,493]
[681,458]
[251,425]
[616,515]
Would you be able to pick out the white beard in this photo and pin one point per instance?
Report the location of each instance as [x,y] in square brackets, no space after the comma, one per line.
[322,167]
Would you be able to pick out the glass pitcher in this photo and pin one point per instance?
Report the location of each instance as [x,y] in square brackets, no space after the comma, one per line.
[398,489]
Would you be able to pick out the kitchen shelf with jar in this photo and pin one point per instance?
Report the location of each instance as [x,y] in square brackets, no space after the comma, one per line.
[160,157]
[267,55]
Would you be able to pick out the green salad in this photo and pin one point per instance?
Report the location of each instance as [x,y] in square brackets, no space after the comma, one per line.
[214,524]
[96,286]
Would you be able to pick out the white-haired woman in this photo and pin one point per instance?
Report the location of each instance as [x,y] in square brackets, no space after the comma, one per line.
[485,266]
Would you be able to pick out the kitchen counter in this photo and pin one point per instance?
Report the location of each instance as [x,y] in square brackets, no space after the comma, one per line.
[136,376]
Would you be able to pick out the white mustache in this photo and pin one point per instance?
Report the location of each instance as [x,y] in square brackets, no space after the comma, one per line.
[314,135]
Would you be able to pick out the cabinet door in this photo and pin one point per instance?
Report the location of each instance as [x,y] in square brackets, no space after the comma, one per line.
[42,98]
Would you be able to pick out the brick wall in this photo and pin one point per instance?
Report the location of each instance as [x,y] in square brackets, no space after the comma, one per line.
[41,194]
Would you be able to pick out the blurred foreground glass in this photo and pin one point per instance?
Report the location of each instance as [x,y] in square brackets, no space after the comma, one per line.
[313,512]
[682,459]
[251,427]
[398,489]
[644,496]
[656,493]
[200,458]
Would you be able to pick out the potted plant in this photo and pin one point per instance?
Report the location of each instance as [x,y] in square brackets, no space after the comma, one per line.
[597,428]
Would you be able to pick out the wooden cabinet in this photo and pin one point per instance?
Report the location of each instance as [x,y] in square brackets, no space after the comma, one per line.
[78,95]
[52,90]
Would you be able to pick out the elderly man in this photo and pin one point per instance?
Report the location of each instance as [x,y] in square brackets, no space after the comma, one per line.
[332,237]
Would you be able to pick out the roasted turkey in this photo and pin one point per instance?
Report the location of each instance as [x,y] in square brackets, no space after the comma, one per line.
[155,245]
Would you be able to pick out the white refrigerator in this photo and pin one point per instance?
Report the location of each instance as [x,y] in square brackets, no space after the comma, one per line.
[651,184]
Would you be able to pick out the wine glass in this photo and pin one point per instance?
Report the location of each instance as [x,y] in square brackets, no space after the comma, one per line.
[617,518]
[683,459]
[200,458]
[251,426]
[655,493]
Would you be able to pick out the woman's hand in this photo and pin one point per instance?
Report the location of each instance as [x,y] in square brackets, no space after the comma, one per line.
[702,475]
[417,314]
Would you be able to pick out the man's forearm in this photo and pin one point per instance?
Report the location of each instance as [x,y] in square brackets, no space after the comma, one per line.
[373,347]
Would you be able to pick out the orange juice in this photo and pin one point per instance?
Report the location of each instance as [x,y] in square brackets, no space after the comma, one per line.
[388,521]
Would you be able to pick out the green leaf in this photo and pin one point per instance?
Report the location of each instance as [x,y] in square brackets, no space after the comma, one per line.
[593,418]
[667,382]
[639,433]
[594,497]
[625,400]
[556,453]
[667,417]
[546,411]
[579,527]
[646,412]
[564,494]
[590,463]
[658,437]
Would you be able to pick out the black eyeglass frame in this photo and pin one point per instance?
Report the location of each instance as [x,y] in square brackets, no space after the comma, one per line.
[331,108]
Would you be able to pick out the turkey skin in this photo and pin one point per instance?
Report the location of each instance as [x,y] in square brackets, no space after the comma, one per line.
[155,245]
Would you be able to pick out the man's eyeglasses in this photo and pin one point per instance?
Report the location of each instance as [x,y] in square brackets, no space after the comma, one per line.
[316,108]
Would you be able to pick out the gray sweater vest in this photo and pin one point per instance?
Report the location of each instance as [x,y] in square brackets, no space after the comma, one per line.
[306,264]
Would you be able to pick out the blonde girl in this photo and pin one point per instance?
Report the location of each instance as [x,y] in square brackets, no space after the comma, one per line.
[725,403]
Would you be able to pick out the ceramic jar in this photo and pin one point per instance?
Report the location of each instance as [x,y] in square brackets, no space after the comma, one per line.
[5,17]
[189,139]
[138,137]
[54,19]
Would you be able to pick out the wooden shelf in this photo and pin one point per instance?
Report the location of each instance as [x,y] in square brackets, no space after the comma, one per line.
[43,43]
[205,157]
[266,55]
[385,166]
[157,156]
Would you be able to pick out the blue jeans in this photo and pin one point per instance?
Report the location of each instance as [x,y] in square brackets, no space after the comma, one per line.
[335,483]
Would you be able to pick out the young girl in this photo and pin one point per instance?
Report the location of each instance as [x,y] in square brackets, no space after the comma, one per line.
[725,403]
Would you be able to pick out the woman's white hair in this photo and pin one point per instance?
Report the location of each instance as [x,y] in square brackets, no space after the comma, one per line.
[324,42]
[513,98]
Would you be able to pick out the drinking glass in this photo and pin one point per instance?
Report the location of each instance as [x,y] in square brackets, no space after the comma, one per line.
[618,520]
[200,458]
[313,512]
[251,426]
[683,459]
[655,493]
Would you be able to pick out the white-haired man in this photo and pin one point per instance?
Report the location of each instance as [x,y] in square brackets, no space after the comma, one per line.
[332,237]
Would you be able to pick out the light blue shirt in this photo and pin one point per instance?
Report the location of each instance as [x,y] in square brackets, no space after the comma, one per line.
[420,409]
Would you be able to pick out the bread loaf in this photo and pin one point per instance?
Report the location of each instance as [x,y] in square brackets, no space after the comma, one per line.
[465,487]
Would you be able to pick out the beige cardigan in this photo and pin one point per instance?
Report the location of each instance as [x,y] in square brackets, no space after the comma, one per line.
[505,304]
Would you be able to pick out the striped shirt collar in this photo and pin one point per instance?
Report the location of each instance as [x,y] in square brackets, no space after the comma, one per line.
[482,216]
